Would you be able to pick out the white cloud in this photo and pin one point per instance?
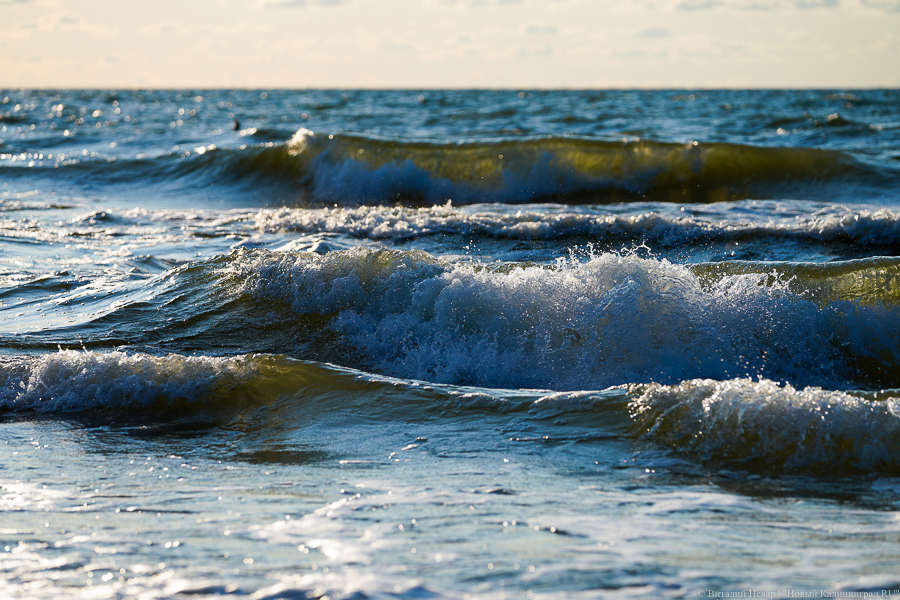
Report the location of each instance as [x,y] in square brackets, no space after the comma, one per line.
[168,29]
[654,32]
[851,6]
[299,3]
[759,4]
[699,4]
[541,29]
[888,5]
[475,3]
[57,23]
[282,3]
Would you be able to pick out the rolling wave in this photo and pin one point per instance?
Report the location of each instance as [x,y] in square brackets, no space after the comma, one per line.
[71,381]
[585,325]
[756,425]
[760,425]
[351,169]
[173,385]
[574,325]
[562,169]
[869,228]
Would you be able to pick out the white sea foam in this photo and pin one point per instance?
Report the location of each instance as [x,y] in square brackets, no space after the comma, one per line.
[71,381]
[761,423]
[575,326]
[876,226]
[113,238]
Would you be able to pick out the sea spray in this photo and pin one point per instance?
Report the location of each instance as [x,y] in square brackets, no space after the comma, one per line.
[609,320]
[760,425]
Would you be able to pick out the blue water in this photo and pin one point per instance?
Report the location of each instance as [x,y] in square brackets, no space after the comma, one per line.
[428,344]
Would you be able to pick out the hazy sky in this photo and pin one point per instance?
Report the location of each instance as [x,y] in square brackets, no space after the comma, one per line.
[450,43]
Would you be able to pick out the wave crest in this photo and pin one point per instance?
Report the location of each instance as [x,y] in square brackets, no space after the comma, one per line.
[576,325]
[358,169]
[352,169]
[761,425]
[71,381]
[831,225]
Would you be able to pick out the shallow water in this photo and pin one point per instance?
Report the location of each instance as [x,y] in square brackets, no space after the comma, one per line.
[449,343]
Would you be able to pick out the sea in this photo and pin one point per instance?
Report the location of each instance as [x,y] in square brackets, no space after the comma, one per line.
[426,344]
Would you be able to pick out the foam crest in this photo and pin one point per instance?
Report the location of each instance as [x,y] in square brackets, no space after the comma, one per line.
[572,326]
[764,425]
[71,381]
[837,224]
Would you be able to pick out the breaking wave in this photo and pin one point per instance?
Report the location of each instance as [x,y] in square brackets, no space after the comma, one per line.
[761,425]
[585,325]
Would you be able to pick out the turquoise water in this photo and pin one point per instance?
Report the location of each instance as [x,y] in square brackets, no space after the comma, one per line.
[428,344]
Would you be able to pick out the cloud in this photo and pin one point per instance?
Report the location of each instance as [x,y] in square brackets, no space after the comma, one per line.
[699,4]
[888,5]
[282,3]
[56,23]
[654,33]
[538,30]
[299,3]
[168,29]
[762,4]
[477,3]
[542,52]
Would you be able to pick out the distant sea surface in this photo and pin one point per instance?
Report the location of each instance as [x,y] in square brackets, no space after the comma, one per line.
[449,344]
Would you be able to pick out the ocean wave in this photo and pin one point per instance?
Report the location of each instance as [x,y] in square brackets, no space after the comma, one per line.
[580,325]
[74,381]
[836,224]
[869,281]
[358,169]
[352,169]
[761,425]
[740,423]
[577,324]
[116,236]
[77,381]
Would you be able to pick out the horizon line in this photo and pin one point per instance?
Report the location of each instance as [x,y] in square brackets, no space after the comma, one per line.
[449,88]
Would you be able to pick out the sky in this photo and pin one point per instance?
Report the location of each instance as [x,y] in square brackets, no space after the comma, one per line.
[449,43]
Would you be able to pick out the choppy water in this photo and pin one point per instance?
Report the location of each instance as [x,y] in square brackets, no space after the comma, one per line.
[400,344]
